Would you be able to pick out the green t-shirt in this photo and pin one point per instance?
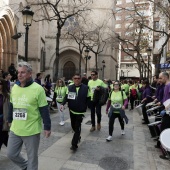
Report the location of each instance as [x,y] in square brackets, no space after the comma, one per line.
[126,88]
[26,102]
[116,97]
[92,84]
[60,93]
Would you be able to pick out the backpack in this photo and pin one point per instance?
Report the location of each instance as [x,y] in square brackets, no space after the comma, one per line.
[134,93]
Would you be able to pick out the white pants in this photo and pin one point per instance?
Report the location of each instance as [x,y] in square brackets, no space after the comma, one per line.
[61,112]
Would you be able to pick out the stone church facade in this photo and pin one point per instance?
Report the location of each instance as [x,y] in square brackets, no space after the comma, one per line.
[42,42]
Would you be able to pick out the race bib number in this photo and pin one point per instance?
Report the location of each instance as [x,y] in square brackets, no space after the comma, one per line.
[117,106]
[59,97]
[93,89]
[20,114]
[71,95]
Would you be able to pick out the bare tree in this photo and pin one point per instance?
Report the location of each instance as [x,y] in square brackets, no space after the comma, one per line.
[138,35]
[59,11]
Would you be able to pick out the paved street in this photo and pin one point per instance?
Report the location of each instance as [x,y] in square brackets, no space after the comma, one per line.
[133,151]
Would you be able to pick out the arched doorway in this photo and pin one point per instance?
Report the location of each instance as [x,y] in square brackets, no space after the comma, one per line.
[69,70]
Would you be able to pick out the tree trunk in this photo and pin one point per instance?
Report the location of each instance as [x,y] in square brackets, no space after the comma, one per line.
[80,61]
[96,61]
[157,65]
[57,51]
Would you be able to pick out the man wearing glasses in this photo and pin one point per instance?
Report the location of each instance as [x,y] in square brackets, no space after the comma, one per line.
[76,96]
[94,84]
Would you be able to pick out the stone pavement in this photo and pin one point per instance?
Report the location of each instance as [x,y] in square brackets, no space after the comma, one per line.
[132,151]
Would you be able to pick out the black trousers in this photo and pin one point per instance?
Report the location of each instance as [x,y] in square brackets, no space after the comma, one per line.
[3,137]
[132,99]
[145,116]
[95,108]
[112,120]
[76,120]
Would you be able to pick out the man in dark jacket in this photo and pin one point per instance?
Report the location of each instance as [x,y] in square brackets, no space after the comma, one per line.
[77,96]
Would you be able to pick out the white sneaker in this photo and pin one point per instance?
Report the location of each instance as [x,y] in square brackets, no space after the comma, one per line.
[62,123]
[109,138]
[123,132]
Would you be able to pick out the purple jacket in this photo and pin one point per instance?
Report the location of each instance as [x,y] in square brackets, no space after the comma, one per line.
[147,94]
[160,92]
[166,95]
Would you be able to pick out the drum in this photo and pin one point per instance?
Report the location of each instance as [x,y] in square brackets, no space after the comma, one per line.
[139,109]
[150,104]
[154,128]
[165,139]
[153,108]
[48,99]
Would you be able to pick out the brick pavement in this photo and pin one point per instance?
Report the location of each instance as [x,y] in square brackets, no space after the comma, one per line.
[133,151]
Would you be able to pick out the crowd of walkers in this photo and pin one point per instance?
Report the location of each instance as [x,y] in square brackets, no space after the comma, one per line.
[24,106]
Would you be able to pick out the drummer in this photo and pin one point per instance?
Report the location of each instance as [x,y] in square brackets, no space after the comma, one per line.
[164,78]
[146,98]
[159,93]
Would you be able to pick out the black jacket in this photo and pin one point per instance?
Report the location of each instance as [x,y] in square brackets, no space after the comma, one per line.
[79,104]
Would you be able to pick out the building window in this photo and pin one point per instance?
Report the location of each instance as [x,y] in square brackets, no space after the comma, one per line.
[127,17]
[42,61]
[156,25]
[127,57]
[118,26]
[129,66]
[119,2]
[118,17]
[128,25]
[128,1]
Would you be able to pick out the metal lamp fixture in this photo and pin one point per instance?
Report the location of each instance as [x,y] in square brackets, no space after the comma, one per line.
[87,57]
[27,16]
[27,21]
[103,62]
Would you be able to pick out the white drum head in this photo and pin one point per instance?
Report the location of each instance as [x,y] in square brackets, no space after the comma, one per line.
[139,106]
[154,123]
[165,139]
[48,99]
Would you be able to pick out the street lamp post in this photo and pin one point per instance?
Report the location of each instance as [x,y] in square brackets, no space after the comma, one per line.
[87,57]
[103,62]
[27,20]
[116,67]
[149,50]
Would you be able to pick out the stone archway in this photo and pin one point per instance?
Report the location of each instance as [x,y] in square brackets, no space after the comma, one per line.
[69,70]
[8,46]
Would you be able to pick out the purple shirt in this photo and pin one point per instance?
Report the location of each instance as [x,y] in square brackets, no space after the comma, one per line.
[160,92]
[147,94]
[166,92]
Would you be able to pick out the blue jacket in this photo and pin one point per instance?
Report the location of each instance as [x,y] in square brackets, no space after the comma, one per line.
[122,114]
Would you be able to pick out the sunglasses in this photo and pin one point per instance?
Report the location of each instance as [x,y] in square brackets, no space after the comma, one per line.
[76,78]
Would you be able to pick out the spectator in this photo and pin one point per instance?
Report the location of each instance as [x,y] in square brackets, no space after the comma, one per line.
[12,71]
[4,102]
[7,78]
[38,78]
[47,85]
